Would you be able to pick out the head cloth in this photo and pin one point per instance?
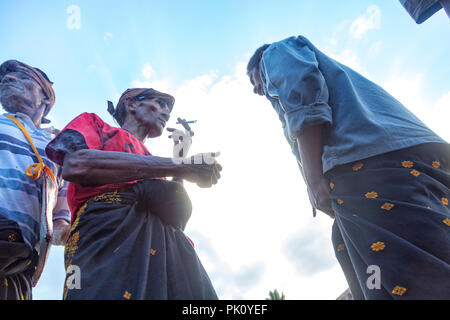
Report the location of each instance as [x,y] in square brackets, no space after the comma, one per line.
[137,94]
[36,74]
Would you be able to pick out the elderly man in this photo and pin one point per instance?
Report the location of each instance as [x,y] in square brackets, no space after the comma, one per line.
[368,162]
[26,94]
[127,234]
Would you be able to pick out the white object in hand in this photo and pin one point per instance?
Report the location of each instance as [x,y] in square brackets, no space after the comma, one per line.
[182,143]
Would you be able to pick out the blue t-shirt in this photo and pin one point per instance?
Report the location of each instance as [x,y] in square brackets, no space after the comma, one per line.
[361,120]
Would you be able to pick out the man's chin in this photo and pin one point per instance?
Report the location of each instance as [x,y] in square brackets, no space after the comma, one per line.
[156,132]
[14,104]
[9,103]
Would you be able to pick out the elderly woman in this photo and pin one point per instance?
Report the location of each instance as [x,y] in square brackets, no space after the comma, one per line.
[127,239]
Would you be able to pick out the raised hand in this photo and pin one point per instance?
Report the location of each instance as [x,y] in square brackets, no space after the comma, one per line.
[182,142]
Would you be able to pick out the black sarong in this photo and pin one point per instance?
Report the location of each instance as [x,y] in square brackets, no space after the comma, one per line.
[17,263]
[120,249]
[392,229]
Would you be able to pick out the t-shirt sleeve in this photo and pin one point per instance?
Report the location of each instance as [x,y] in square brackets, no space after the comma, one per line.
[292,75]
[83,132]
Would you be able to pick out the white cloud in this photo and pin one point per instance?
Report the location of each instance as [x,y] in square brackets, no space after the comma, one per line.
[241,225]
[258,218]
[349,58]
[409,90]
[440,116]
[108,36]
[160,85]
[370,20]
[148,80]
[147,71]
[443,103]
[306,251]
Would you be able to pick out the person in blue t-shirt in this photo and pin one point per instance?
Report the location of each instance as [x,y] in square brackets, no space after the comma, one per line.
[370,164]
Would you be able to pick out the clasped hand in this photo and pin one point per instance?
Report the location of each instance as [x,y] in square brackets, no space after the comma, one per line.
[202,169]
[319,196]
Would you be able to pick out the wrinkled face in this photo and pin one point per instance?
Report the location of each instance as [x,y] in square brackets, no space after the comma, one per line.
[255,79]
[20,93]
[153,114]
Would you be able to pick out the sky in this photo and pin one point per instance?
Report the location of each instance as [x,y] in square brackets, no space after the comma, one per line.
[254,231]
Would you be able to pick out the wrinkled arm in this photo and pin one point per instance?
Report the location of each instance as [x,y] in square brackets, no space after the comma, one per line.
[97,167]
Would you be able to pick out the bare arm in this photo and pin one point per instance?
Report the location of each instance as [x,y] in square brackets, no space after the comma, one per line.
[61,230]
[97,167]
[311,148]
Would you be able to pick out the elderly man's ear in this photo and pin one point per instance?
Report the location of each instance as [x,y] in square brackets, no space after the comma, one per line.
[46,103]
[131,105]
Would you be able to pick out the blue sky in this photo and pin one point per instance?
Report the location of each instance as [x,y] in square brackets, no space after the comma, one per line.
[197,51]
[183,39]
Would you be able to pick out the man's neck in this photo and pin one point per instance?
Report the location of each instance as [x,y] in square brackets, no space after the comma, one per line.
[139,131]
[27,119]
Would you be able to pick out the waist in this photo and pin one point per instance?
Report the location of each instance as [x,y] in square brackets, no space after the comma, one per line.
[431,155]
[77,195]
[123,197]
[166,199]
[335,156]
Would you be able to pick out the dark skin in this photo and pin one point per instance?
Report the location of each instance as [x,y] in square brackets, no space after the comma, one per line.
[145,119]
[310,148]
[21,93]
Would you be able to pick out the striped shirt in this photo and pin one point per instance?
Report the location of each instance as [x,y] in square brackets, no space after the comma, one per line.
[20,196]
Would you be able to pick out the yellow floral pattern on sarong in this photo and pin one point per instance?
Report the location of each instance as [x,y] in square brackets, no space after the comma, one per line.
[371,195]
[408,164]
[398,290]
[378,246]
